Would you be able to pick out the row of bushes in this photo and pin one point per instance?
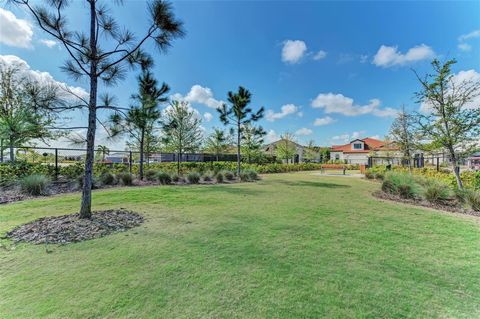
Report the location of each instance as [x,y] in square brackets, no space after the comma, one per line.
[408,186]
[36,184]
[9,173]
[470,179]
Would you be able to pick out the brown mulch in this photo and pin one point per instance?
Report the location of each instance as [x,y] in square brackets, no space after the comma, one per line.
[14,194]
[70,228]
[445,207]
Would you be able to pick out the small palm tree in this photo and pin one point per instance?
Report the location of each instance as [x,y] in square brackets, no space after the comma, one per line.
[218,142]
[103,151]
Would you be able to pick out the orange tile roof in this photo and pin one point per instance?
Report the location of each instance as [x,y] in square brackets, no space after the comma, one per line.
[370,144]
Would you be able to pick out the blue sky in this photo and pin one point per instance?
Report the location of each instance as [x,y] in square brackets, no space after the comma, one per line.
[338,70]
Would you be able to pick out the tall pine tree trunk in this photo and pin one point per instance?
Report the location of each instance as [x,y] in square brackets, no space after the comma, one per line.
[12,154]
[238,149]
[86,206]
[142,139]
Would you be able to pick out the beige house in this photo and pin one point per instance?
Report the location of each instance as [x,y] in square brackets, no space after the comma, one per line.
[358,151]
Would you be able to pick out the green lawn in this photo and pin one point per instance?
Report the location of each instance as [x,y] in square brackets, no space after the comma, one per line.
[290,246]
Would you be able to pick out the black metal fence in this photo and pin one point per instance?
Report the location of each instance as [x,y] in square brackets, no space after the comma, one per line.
[67,156]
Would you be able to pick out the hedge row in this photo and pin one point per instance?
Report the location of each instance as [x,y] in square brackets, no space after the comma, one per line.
[10,173]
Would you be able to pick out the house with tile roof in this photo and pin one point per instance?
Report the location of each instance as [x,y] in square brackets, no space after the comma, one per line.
[358,151]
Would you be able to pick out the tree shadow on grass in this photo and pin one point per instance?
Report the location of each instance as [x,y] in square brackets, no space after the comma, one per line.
[234,190]
[313,184]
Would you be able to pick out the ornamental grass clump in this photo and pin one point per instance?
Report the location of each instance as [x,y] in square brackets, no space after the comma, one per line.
[401,184]
[35,184]
[193,178]
[164,178]
[219,177]
[436,192]
[151,175]
[207,177]
[107,178]
[126,178]
[472,199]
[229,176]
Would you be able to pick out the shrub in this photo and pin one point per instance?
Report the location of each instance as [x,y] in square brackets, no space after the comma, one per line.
[193,177]
[436,192]
[401,184]
[369,174]
[472,198]
[248,176]
[176,178]
[107,178]
[219,177]
[151,175]
[126,178]
[207,177]
[94,182]
[229,176]
[35,184]
[164,178]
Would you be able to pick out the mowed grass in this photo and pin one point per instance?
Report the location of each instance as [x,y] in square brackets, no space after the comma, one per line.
[290,246]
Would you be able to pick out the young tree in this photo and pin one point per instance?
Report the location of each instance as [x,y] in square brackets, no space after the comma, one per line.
[218,142]
[252,141]
[181,129]
[402,134]
[141,119]
[286,148]
[311,152]
[239,114]
[450,120]
[91,58]
[23,108]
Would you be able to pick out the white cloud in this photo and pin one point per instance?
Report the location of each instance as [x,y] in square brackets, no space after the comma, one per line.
[293,51]
[13,31]
[323,121]
[207,116]
[320,55]
[44,78]
[464,47]
[300,114]
[48,43]
[468,36]
[457,80]
[363,58]
[338,103]
[285,110]
[304,131]
[388,56]
[201,95]
[347,137]
[271,136]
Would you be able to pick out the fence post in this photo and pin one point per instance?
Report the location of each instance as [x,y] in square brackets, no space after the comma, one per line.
[438,164]
[56,163]
[1,150]
[130,162]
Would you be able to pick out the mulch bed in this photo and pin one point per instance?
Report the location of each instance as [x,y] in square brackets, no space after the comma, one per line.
[70,228]
[445,207]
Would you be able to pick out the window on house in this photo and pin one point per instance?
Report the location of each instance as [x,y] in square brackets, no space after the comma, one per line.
[337,156]
[357,146]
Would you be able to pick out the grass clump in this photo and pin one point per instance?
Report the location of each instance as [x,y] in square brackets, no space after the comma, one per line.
[229,176]
[193,178]
[436,192]
[107,178]
[176,178]
[151,175]
[164,178]
[35,184]
[248,175]
[126,178]
[401,184]
[207,177]
[219,177]
[472,199]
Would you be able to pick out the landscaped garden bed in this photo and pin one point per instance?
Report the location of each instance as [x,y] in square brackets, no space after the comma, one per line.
[70,228]
[36,185]
[428,190]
